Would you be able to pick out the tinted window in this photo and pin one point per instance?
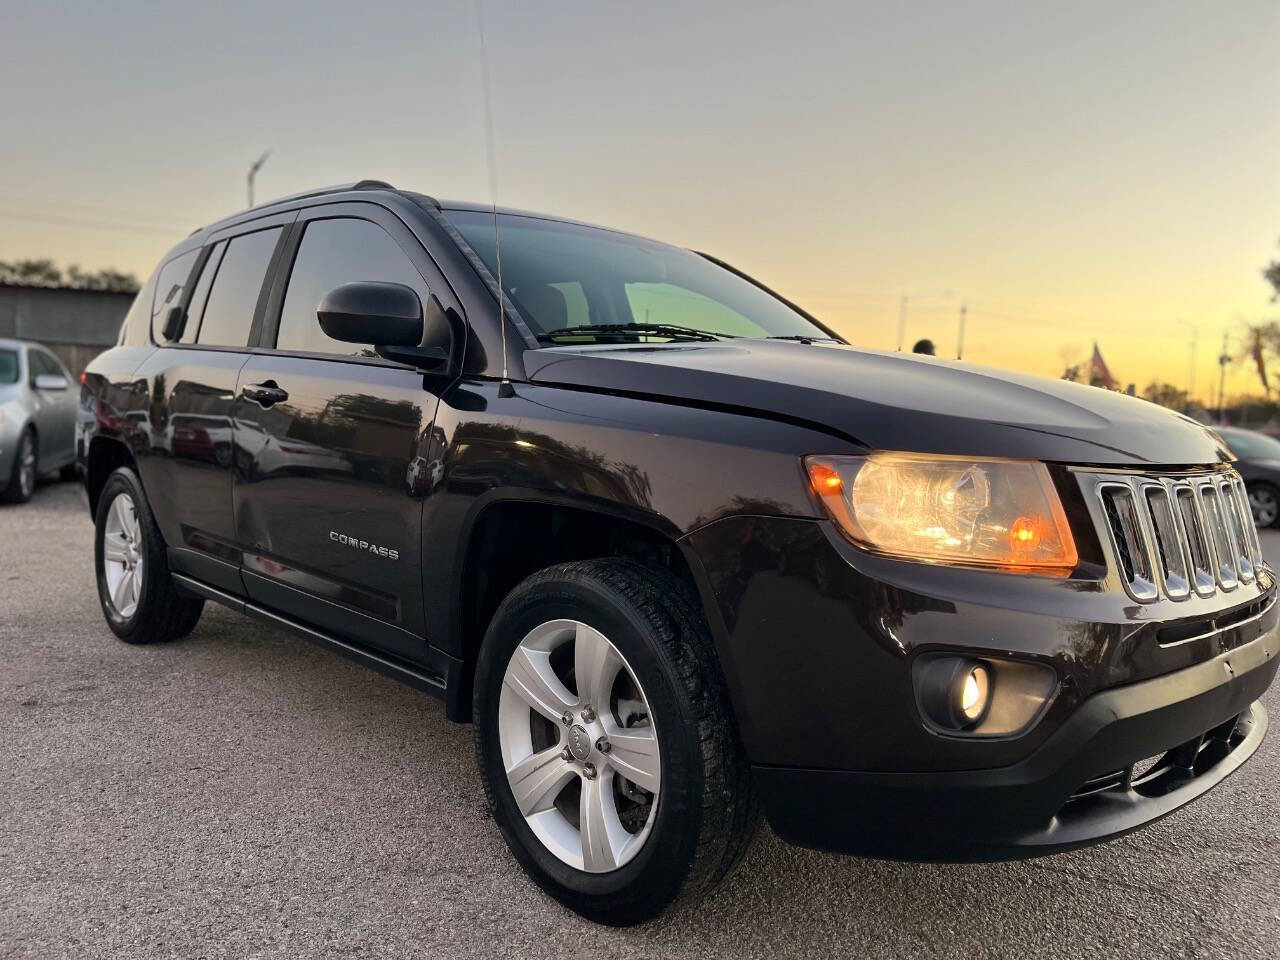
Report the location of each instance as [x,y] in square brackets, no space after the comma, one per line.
[195,310]
[559,273]
[228,315]
[335,252]
[169,284]
[8,366]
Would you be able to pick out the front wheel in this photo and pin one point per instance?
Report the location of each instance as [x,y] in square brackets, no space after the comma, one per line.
[137,595]
[604,736]
[1264,502]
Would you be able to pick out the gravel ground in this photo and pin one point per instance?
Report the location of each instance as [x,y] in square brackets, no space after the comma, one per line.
[243,793]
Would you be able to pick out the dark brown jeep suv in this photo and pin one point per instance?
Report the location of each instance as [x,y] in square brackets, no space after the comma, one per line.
[677,550]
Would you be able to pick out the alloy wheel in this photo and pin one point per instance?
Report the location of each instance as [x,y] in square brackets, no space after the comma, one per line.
[579,746]
[122,556]
[1265,506]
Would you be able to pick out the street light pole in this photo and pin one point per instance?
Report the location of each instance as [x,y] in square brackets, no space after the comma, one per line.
[253,172]
[964,309]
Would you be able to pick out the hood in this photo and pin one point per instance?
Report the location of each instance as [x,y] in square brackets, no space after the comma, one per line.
[893,401]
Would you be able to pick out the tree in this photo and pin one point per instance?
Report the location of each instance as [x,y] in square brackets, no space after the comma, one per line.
[1073,367]
[1167,395]
[1271,273]
[105,279]
[1075,373]
[42,272]
[31,273]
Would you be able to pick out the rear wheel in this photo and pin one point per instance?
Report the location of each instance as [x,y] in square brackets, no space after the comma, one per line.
[22,478]
[137,595]
[1264,502]
[609,753]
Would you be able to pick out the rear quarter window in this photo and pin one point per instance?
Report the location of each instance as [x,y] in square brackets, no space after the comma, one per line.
[170,282]
[135,329]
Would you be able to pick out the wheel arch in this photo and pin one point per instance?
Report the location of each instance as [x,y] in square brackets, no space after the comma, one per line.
[106,454]
[509,538]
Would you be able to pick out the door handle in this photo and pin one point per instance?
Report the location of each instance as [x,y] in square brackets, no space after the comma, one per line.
[266,393]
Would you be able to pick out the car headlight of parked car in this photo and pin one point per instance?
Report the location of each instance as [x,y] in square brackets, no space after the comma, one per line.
[1003,514]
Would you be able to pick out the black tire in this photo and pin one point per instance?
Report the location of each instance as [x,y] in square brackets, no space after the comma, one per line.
[21,482]
[706,811]
[162,613]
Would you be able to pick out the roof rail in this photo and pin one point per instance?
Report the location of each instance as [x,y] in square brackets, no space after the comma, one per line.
[336,188]
[305,194]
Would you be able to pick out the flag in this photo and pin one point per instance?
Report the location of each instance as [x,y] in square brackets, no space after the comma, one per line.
[1257,358]
[1100,371]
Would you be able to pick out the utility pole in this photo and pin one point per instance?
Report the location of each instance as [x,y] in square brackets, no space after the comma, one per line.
[1223,359]
[902,322]
[253,172]
[964,308]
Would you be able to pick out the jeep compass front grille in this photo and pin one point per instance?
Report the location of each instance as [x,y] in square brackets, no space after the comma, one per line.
[1179,534]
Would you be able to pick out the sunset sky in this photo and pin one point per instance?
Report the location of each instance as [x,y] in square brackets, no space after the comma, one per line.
[1072,171]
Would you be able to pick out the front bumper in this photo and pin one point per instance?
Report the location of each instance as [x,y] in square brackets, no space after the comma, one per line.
[1076,789]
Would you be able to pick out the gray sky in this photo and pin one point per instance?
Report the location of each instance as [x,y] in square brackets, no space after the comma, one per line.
[1095,169]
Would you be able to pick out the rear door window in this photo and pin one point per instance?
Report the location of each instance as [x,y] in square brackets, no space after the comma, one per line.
[169,285]
[195,309]
[334,252]
[228,314]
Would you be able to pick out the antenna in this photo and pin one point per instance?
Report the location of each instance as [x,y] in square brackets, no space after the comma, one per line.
[493,191]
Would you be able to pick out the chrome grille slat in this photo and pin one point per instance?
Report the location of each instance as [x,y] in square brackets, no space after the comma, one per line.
[1244,553]
[1174,535]
[1220,536]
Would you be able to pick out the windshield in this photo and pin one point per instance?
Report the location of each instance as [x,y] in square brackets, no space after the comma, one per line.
[8,366]
[563,276]
[1248,445]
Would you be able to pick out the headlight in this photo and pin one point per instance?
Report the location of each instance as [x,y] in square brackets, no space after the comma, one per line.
[959,510]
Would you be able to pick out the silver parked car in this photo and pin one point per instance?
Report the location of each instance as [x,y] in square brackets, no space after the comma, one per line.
[37,418]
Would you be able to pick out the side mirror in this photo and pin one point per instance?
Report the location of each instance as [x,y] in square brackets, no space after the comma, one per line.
[50,381]
[389,317]
[381,314]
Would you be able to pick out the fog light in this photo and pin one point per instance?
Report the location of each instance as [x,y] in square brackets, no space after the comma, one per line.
[954,691]
[983,698]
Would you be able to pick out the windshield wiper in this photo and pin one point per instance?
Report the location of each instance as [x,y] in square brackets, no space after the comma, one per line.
[672,330]
[803,338]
